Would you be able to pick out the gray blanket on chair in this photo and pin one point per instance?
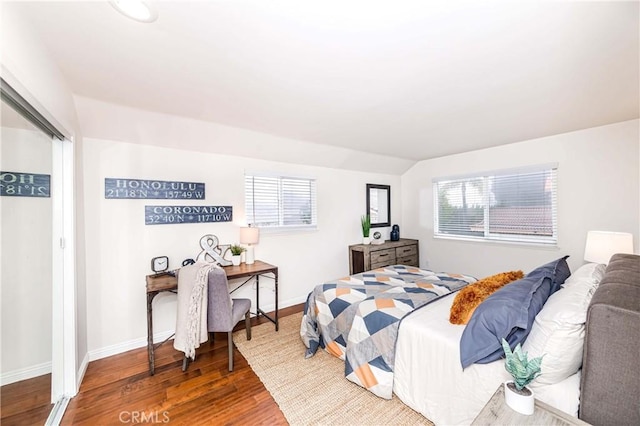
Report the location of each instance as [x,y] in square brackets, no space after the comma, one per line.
[191,315]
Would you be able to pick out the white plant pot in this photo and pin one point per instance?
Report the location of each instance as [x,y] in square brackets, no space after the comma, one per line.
[523,404]
[366,240]
[235,260]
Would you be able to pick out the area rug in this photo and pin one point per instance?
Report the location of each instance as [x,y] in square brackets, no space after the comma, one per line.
[314,391]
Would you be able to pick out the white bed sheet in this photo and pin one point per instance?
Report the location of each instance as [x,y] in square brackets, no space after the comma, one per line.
[428,376]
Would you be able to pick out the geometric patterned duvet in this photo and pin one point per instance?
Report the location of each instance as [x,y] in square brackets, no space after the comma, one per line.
[357,318]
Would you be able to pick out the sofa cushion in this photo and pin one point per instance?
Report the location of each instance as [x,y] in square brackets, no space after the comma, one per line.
[509,313]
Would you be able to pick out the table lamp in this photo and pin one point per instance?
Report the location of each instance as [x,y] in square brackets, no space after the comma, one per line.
[602,245]
[249,236]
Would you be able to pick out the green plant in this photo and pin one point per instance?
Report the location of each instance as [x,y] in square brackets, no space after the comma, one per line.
[236,250]
[521,369]
[366,225]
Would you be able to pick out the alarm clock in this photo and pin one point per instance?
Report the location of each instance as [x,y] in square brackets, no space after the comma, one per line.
[160,264]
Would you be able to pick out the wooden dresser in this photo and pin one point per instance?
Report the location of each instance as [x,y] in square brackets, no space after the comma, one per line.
[365,257]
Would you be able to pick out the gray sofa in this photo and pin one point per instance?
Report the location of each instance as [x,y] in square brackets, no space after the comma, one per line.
[610,383]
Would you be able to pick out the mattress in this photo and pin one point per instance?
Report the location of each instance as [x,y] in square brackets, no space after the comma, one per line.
[430,379]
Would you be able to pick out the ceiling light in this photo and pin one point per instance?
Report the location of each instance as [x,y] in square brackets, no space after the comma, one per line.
[136,9]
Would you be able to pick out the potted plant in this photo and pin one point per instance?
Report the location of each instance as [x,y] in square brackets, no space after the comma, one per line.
[236,252]
[366,228]
[516,393]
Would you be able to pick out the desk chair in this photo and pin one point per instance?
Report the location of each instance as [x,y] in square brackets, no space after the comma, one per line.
[223,312]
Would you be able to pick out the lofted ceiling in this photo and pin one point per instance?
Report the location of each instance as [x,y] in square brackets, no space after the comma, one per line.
[408,79]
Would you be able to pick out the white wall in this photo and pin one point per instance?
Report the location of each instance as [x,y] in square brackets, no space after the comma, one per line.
[25,60]
[120,246]
[598,187]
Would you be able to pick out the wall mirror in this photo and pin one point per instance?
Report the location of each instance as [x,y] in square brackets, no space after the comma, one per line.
[379,204]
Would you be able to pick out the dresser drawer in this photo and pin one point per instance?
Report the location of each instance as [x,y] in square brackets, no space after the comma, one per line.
[408,260]
[404,251]
[386,257]
[366,257]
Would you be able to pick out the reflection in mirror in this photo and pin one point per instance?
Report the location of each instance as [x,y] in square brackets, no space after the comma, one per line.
[379,204]
[26,272]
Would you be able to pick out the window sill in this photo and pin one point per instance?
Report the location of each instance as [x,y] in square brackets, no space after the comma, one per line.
[288,230]
[530,244]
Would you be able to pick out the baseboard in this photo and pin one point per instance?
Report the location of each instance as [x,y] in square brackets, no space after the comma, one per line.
[119,348]
[81,371]
[159,337]
[25,373]
[290,302]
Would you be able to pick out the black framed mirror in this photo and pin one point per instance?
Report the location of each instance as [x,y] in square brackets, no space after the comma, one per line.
[379,205]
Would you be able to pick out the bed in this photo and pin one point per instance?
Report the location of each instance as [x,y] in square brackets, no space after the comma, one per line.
[356,318]
[429,378]
[426,372]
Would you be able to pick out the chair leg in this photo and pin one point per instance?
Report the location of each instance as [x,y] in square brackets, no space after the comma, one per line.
[230,350]
[247,325]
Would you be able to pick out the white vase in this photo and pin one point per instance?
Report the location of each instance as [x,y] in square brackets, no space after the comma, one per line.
[235,259]
[523,404]
[366,240]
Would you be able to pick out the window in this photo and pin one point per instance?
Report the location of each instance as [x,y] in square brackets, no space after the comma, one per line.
[279,201]
[513,205]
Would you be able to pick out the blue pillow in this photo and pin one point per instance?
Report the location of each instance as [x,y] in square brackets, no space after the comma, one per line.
[509,313]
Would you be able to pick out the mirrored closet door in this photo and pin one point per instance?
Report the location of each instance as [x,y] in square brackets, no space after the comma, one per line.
[27,229]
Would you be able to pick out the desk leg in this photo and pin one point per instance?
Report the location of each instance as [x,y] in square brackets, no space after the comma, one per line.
[275,278]
[150,348]
[258,310]
[257,296]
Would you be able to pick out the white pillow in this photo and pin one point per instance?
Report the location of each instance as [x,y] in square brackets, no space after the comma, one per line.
[558,330]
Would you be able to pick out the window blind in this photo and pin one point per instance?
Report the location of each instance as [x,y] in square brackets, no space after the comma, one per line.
[280,202]
[514,205]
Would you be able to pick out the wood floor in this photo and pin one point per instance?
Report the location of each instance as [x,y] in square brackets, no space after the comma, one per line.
[119,389]
[27,402]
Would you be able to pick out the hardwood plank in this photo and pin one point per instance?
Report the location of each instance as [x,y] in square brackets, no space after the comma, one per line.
[117,388]
[26,402]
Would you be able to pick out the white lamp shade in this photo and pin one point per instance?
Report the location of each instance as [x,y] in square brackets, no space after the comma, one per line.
[602,245]
[249,235]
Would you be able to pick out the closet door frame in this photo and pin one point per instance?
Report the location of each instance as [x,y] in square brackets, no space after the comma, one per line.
[64,355]
[64,365]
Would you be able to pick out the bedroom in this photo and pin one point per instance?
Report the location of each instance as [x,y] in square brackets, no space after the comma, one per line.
[597,148]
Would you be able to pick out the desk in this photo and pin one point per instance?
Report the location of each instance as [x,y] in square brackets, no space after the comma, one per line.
[157,284]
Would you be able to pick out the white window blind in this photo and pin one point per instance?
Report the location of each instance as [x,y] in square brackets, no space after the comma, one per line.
[515,205]
[280,202]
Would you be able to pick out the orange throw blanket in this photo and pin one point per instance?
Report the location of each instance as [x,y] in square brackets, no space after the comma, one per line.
[468,299]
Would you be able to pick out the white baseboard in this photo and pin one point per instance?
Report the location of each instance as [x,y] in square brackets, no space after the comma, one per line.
[119,348]
[141,342]
[25,373]
[81,371]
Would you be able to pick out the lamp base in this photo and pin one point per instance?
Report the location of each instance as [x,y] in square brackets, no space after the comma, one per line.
[249,256]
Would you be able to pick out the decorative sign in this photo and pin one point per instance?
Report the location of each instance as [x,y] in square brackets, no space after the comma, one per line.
[152,189]
[17,184]
[211,249]
[167,215]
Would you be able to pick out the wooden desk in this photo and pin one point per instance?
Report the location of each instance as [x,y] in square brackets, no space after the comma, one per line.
[157,284]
